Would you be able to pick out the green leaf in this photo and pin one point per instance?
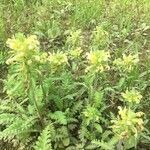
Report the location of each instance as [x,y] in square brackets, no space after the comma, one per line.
[98,127]
[44,140]
[66,141]
[7,118]
[130,143]
[60,117]
[103,145]
[106,134]
[121,82]
[91,146]
[98,97]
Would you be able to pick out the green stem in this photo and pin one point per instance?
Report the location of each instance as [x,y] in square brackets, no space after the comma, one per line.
[43,90]
[35,102]
[33,97]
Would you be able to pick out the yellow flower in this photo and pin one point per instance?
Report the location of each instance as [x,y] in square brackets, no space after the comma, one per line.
[21,43]
[75,53]
[13,44]
[98,61]
[132,96]
[41,57]
[22,48]
[139,114]
[57,59]
[127,62]
[32,42]
[128,123]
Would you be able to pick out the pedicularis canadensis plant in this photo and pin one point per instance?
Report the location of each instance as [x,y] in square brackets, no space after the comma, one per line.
[61,100]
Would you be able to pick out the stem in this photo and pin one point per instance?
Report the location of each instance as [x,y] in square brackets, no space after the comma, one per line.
[35,102]
[95,81]
[43,90]
[33,97]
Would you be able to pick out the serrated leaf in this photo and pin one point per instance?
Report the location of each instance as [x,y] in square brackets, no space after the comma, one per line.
[44,140]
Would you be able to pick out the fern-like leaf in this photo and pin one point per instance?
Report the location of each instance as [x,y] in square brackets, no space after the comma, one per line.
[18,128]
[7,118]
[60,117]
[104,145]
[44,140]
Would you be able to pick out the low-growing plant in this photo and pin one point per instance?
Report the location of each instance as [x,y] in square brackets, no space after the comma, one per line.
[66,99]
[61,88]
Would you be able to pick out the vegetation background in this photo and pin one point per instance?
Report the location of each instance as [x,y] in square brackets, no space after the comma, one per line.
[127,23]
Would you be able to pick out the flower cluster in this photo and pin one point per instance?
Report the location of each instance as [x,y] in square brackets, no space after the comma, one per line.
[75,53]
[22,48]
[128,123]
[127,62]
[57,59]
[25,50]
[41,58]
[98,61]
[132,96]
